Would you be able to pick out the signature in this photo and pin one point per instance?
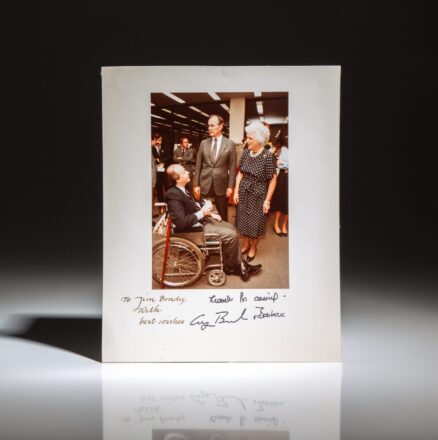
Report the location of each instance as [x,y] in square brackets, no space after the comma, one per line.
[222,318]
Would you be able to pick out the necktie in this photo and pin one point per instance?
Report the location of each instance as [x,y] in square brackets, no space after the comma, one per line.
[213,151]
[194,203]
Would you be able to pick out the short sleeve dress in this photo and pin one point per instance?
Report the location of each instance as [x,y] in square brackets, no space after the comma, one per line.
[257,173]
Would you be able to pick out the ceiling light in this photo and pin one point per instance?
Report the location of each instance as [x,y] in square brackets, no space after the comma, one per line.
[166,110]
[180,116]
[162,123]
[257,94]
[152,104]
[156,116]
[174,97]
[199,111]
[214,96]
[225,106]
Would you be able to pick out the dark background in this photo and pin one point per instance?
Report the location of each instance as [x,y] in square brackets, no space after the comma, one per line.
[51,192]
[51,202]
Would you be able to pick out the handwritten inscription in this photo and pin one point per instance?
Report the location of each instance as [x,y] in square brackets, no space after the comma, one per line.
[223,317]
[205,320]
[217,300]
[154,310]
[262,314]
[151,309]
[268,297]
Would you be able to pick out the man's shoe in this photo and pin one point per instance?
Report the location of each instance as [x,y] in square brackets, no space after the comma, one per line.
[244,272]
[252,268]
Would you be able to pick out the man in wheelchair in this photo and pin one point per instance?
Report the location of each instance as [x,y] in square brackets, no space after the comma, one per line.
[186,213]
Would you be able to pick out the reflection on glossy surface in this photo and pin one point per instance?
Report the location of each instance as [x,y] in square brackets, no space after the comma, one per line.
[229,401]
[189,434]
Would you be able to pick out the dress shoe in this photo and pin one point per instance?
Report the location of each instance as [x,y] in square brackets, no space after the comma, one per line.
[284,234]
[249,258]
[244,272]
[278,233]
[253,268]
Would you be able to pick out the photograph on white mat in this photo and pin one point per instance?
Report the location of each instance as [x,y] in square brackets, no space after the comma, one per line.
[221,214]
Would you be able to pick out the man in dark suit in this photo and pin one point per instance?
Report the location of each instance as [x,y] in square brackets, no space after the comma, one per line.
[162,160]
[186,212]
[185,156]
[215,172]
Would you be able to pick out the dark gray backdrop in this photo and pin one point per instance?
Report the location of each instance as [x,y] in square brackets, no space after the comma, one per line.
[51,221]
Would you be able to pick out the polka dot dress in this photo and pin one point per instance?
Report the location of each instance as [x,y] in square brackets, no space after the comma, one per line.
[257,172]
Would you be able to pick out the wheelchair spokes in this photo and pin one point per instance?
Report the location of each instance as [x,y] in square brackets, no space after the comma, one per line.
[185,262]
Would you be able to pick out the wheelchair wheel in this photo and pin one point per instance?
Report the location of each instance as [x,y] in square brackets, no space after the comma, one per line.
[217,278]
[185,262]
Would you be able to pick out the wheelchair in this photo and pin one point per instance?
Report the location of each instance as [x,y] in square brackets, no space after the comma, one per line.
[180,259]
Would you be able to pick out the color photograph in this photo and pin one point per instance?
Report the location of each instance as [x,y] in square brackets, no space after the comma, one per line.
[219,182]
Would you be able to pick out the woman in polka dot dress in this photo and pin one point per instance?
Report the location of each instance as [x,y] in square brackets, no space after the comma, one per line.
[255,185]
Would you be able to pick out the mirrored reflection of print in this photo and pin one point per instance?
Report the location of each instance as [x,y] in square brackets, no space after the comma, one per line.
[202,434]
[183,401]
[224,156]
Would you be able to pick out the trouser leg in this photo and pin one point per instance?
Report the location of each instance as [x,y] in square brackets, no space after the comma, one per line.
[230,241]
[222,206]
[220,201]
[160,186]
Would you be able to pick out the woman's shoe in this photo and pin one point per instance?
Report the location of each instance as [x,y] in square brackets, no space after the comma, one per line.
[284,234]
[278,233]
[249,258]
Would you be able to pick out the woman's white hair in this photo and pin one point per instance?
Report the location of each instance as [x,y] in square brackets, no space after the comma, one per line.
[260,132]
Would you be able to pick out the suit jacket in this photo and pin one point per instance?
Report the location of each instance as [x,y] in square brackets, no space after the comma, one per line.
[164,156]
[221,172]
[187,158]
[182,209]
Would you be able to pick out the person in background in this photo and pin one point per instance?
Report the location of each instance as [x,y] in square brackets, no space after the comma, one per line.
[162,160]
[153,164]
[255,186]
[215,171]
[280,200]
[185,156]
